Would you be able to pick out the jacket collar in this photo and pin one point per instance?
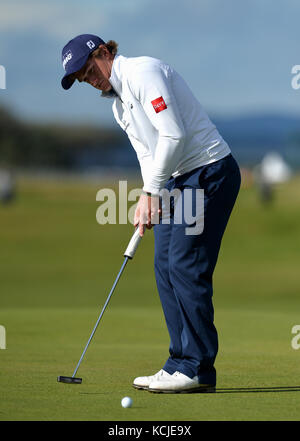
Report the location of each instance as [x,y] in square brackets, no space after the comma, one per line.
[116,73]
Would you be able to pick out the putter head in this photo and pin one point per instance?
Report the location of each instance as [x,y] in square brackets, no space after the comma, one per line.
[70,380]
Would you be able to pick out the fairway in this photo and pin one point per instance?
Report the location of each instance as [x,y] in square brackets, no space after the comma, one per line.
[57,268]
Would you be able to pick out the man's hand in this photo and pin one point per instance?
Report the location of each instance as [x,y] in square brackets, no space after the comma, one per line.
[147,212]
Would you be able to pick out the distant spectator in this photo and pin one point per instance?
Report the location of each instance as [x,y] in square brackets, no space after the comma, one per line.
[272,170]
[7,186]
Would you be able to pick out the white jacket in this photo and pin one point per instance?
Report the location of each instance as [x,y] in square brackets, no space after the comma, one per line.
[166,125]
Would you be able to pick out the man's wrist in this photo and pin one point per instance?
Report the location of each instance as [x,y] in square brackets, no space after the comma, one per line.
[151,195]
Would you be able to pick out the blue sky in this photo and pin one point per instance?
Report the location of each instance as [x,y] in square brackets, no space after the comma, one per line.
[236,55]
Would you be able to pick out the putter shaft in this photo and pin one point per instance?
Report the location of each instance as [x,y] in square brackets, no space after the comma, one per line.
[100,316]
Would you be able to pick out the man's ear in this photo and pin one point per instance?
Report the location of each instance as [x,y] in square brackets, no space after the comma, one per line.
[103,50]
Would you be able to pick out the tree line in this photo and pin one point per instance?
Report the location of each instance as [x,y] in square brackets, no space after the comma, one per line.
[28,144]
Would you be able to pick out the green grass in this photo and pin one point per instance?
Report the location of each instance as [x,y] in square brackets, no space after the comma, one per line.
[57,266]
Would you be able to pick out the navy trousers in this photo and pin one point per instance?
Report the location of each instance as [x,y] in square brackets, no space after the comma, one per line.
[184,266]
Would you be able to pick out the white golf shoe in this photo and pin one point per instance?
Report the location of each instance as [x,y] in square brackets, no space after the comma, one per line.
[178,383]
[143,382]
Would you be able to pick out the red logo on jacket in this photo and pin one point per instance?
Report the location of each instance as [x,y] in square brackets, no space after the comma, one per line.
[159,104]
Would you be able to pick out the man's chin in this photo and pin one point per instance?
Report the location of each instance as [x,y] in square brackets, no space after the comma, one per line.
[101,88]
[110,93]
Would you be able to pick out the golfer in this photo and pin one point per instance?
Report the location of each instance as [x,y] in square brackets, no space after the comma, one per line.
[178,149]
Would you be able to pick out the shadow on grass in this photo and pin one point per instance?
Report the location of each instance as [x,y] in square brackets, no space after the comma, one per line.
[228,390]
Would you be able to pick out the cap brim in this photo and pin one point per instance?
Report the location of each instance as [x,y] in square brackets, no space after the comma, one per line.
[66,81]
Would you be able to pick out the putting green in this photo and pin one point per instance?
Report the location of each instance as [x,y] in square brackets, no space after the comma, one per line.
[57,267]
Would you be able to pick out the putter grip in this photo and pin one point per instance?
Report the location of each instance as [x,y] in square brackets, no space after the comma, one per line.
[133,244]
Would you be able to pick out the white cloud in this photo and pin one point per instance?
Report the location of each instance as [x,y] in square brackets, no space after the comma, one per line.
[56,19]
[61,19]
[20,15]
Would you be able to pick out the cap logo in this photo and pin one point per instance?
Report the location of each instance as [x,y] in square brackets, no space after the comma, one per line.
[90,44]
[67,57]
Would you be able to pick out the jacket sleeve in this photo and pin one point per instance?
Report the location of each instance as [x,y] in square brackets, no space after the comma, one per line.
[151,86]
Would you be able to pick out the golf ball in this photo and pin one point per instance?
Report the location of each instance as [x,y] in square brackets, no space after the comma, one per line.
[126,402]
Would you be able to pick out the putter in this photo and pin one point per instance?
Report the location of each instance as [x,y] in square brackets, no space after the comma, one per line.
[129,253]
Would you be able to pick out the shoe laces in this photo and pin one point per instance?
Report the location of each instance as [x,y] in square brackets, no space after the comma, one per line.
[159,373]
